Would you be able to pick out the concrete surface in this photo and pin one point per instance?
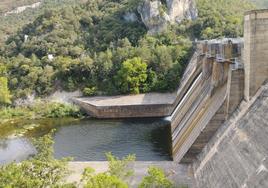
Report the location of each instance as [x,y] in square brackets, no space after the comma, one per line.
[237,155]
[127,100]
[128,106]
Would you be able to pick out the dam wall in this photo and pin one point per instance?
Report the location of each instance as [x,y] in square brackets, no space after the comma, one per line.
[236,155]
[212,95]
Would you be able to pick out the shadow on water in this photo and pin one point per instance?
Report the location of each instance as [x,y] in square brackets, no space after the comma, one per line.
[89,139]
[161,138]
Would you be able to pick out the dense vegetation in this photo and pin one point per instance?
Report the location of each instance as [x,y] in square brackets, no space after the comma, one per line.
[10,23]
[90,46]
[90,42]
[40,110]
[220,18]
[42,170]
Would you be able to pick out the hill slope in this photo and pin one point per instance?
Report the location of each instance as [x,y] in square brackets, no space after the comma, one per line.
[91,46]
[8,5]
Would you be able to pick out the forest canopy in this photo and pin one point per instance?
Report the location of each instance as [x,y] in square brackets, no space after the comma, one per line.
[90,46]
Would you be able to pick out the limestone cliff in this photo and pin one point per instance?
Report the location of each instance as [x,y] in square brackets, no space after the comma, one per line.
[181,9]
[156,16]
[153,16]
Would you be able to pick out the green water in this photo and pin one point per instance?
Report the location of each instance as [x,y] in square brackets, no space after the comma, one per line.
[89,139]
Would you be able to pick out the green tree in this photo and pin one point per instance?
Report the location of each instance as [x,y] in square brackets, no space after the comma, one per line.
[217,18]
[132,76]
[116,177]
[89,91]
[104,180]
[156,179]
[40,171]
[120,168]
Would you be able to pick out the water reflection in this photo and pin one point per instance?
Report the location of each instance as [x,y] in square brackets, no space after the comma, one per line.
[88,140]
[16,149]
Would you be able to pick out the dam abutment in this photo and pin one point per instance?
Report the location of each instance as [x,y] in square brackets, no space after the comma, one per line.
[236,154]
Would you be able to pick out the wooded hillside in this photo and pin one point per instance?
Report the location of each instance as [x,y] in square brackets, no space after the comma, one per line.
[7,5]
[90,46]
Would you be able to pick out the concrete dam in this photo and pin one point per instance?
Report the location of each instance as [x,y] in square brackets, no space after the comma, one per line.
[218,115]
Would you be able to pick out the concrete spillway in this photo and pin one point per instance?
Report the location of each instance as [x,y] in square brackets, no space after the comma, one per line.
[207,100]
[196,109]
[236,154]
[193,115]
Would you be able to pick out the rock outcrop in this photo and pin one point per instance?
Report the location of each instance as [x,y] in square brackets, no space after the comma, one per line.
[156,16]
[181,9]
[153,16]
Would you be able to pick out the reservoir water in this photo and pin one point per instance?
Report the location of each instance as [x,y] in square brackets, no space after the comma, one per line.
[89,140]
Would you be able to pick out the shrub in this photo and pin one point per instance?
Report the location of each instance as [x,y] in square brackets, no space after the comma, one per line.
[42,110]
[155,179]
[120,168]
[90,91]
[8,112]
[116,176]
[60,110]
[104,180]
